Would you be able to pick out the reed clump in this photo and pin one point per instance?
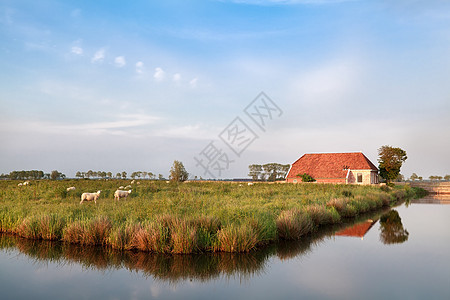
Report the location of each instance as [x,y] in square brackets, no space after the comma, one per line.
[293,224]
[94,232]
[237,238]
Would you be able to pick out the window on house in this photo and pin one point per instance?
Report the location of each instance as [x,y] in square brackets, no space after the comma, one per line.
[359,176]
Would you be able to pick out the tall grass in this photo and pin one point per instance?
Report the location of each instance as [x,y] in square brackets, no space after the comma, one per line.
[183,218]
[294,223]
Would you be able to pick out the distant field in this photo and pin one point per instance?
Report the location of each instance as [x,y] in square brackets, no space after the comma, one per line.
[183,218]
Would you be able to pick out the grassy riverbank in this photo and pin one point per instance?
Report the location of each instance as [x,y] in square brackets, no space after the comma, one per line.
[183,218]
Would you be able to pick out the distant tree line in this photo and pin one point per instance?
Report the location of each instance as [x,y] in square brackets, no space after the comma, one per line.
[268,172]
[33,175]
[433,177]
[119,175]
[414,177]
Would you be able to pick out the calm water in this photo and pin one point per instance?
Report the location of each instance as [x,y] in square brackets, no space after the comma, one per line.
[399,254]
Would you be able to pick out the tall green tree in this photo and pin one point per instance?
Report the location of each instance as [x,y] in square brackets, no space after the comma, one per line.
[254,171]
[414,176]
[390,161]
[178,173]
[56,175]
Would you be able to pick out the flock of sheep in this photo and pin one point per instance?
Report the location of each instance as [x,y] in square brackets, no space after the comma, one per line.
[119,193]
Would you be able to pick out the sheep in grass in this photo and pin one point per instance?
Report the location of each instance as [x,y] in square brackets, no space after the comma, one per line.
[20,184]
[121,194]
[128,187]
[26,183]
[72,188]
[90,197]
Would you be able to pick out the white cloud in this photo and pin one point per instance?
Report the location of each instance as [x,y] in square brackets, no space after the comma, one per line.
[176,77]
[99,56]
[77,50]
[121,123]
[120,62]
[139,67]
[193,82]
[159,74]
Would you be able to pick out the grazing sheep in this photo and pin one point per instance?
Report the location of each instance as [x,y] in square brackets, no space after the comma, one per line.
[26,183]
[20,184]
[132,181]
[72,188]
[250,183]
[128,187]
[121,194]
[90,197]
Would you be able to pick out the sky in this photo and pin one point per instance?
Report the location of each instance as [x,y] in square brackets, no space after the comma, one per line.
[221,84]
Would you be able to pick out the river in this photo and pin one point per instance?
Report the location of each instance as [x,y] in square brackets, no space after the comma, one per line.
[402,253]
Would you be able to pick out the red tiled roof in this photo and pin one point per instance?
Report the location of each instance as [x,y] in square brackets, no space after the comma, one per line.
[330,165]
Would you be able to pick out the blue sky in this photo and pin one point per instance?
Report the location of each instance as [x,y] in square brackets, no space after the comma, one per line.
[115,85]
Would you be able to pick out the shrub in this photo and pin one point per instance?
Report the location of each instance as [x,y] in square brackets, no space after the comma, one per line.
[347,194]
[306,177]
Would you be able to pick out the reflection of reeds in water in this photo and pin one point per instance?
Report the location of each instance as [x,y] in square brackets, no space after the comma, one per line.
[174,268]
[165,267]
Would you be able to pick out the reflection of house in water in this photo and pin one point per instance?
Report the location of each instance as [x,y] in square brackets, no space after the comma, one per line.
[357,230]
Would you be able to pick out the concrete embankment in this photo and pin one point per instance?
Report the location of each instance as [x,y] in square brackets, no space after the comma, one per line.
[433,187]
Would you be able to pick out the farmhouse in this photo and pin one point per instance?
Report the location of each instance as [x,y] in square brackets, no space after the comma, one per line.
[341,168]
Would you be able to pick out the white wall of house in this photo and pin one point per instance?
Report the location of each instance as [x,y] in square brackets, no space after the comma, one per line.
[362,177]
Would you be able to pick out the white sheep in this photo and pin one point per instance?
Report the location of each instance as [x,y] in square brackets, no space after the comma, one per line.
[121,194]
[90,197]
[20,184]
[26,183]
[132,181]
[250,183]
[128,187]
[72,188]
[121,187]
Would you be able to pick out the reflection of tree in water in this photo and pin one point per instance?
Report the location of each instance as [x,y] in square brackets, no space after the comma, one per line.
[392,231]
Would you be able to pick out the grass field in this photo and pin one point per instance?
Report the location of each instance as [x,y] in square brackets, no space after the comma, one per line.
[191,217]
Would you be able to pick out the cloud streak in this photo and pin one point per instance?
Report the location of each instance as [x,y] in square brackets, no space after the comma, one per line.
[123,123]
